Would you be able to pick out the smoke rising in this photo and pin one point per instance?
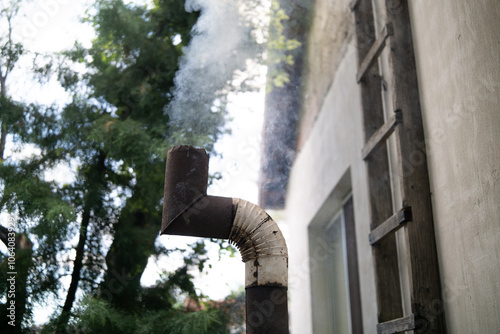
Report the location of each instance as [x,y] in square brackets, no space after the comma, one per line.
[221,43]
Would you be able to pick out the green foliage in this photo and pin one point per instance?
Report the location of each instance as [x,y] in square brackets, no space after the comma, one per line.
[10,51]
[95,315]
[232,311]
[98,226]
[10,112]
[195,322]
[159,314]
[279,48]
[98,316]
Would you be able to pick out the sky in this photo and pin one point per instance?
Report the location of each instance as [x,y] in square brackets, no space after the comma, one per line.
[53,25]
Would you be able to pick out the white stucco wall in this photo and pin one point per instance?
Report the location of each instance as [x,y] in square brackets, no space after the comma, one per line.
[457,48]
[332,148]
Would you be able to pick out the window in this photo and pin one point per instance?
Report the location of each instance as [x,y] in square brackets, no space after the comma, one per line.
[336,304]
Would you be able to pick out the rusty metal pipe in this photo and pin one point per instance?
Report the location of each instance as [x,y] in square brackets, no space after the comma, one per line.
[189,211]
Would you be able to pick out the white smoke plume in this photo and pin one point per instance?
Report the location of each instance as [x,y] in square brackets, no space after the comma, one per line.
[221,43]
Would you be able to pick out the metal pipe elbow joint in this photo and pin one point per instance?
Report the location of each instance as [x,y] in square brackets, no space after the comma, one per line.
[189,211]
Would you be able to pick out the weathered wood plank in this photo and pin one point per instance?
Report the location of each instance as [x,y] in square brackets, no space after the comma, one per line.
[425,287]
[381,135]
[387,281]
[374,51]
[392,224]
[397,325]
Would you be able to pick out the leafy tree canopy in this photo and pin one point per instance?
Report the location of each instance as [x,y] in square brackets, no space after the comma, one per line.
[98,228]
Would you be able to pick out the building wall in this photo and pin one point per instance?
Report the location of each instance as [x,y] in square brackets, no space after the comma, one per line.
[331,25]
[331,151]
[328,165]
[457,48]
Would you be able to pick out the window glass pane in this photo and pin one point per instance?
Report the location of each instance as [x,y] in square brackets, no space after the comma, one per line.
[335,296]
[337,276]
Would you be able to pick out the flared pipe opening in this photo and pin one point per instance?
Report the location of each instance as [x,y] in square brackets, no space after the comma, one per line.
[186,179]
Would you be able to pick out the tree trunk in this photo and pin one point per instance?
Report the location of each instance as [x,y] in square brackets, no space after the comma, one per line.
[134,241]
[3,131]
[3,136]
[75,276]
[92,199]
[128,256]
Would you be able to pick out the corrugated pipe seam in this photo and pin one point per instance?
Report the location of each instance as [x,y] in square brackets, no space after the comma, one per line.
[261,245]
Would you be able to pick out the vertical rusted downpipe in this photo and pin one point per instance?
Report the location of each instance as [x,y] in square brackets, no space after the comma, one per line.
[187,210]
[266,310]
